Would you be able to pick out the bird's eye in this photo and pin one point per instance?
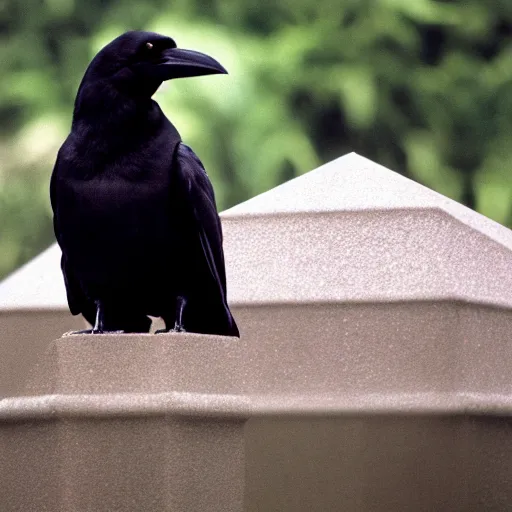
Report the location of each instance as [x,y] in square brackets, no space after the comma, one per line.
[149,46]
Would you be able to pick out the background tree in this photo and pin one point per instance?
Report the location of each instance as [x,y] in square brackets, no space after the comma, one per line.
[423,87]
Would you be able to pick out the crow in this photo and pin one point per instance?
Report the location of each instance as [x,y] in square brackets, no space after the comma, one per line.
[134,210]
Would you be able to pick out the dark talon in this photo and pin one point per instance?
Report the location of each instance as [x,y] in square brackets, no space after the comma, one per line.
[176,328]
[95,331]
[92,331]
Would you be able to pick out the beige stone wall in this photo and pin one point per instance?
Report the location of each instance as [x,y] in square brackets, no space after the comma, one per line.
[24,337]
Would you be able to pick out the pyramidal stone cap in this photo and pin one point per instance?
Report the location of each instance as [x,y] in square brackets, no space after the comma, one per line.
[350,230]
[354,231]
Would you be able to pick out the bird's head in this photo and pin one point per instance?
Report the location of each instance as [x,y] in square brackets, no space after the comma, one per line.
[138,62]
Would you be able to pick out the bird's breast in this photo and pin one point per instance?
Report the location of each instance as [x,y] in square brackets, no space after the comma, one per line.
[117,223]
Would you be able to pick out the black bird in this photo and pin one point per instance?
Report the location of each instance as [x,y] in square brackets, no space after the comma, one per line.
[134,210]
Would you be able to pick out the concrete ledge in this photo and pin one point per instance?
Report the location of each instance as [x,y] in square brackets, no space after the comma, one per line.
[127,405]
[139,363]
[241,408]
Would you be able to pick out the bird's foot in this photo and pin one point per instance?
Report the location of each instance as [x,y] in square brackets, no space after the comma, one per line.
[101,331]
[176,328]
[72,333]
[91,331]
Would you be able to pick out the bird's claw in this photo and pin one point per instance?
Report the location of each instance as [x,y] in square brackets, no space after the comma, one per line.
[176,328]
[99,331]
[91,331]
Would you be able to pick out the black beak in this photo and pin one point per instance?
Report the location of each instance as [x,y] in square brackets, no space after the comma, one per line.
[180,63]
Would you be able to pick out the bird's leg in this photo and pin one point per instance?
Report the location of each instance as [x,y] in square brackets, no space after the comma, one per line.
[100,315]
[180,305]
[99,324]
[178,323]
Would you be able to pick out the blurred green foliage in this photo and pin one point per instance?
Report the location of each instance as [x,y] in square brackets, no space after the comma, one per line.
[421,86]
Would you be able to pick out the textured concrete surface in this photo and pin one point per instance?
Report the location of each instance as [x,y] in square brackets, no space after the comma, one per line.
[122,464]
[140,363]
[354,231]
[434,350]
[24,337]
[127,423]
[384,463]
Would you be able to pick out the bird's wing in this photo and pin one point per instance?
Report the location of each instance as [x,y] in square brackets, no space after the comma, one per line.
[76,300]
[202,198]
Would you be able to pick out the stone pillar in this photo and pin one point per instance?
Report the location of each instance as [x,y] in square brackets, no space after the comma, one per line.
[373,372]
[377,316]
[128,423]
